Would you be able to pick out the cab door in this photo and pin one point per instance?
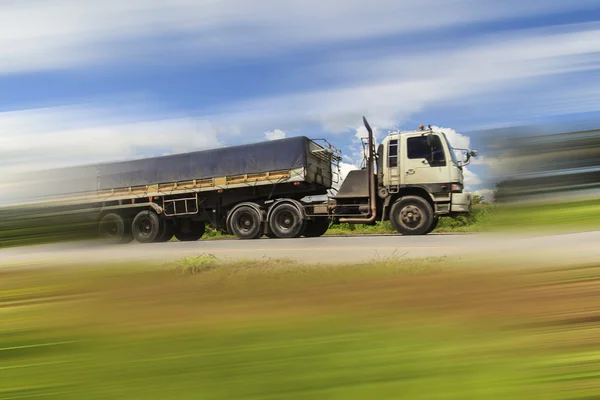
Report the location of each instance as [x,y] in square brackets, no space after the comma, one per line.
[422,164]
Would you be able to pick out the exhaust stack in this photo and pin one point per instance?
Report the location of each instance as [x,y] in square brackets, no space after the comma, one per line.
[371,183]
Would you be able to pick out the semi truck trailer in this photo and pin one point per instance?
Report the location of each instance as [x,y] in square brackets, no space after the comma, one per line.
[268,189]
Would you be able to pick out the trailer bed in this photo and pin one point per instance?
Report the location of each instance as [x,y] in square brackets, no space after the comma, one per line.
[296,159]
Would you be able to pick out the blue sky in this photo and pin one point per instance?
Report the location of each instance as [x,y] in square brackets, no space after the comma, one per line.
[95,81]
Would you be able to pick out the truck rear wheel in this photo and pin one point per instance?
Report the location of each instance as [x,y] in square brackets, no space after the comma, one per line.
[166,232]
[286,221]
[194,232]
[113,228]
[270,233]
[411,215]
[245,223]
[316,227]
[146,226]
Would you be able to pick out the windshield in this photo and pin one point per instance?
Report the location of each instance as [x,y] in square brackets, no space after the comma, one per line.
[452,153]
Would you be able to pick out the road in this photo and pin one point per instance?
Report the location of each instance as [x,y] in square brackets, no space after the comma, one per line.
[550,249]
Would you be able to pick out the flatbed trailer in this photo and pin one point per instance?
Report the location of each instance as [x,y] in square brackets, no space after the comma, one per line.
[260,190]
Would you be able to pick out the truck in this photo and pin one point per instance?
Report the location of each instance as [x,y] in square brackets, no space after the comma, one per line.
[411,179]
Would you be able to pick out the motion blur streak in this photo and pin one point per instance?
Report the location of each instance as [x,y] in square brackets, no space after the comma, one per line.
[201,329]
[543,163]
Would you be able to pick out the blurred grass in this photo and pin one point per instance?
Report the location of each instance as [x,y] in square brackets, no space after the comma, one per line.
[202,329]
[476,221]
[559,216]
[551,217]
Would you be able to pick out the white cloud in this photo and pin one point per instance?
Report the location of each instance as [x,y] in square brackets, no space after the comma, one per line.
[471,179]
[42,139]
[345,168]
[66,135]
[456,139]
[275,134]
[487,194]
[485,160]
[388,90]
[65,34]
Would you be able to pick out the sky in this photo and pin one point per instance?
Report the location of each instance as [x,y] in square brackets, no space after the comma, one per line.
[84,82]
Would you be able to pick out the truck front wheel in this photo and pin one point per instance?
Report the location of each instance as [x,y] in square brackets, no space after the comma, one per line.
[412,215]
[434,224]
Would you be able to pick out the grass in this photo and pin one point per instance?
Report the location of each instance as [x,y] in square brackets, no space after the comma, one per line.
[556,217]
[477,221]
[559,216]
[202,329]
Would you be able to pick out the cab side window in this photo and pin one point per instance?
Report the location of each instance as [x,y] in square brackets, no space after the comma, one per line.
[417,148]
[393,153]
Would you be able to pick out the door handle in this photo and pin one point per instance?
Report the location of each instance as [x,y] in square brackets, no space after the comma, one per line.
[410,171]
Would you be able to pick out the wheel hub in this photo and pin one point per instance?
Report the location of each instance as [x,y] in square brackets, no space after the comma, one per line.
[245,223]
[146,227]
[286,221]
[411,216]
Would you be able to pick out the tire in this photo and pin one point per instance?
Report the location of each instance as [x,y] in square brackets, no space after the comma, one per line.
[316,227]
[166,232]
[270,233]
[195,232]
[434,224]
[286,221]
[411,215]
[113,228]
[147,226]
[245,223]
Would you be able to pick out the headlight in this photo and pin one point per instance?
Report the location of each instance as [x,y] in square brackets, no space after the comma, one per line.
[457,187]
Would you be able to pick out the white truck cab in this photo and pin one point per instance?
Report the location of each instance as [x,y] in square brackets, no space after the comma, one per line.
[411,179]
[424,159]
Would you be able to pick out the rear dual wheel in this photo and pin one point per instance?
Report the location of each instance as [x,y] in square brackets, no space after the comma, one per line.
[286,221]
[191,231]
[147,227]
[166,232]
[114,228]
[246,223]
[316,227]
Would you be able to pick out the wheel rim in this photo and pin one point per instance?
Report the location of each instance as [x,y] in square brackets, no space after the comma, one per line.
[286,220]
[109,229]
[411,216]
[245,223]
[145,227]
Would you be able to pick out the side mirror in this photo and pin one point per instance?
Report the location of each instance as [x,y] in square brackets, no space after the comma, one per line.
[430,141]
[470,153]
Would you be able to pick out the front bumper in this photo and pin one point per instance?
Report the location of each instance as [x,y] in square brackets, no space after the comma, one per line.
[461,202]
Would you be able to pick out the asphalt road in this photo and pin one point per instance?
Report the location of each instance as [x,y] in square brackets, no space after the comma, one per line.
[549,249]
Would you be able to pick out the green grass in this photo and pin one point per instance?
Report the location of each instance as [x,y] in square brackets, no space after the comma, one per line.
[562,216]
[557,217]
[201,329]
[474,222]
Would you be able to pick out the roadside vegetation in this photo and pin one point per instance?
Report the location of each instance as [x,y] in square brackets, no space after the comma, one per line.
[485,217]
[272,329]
